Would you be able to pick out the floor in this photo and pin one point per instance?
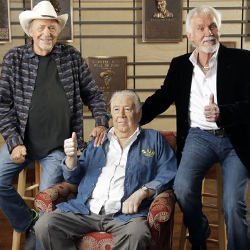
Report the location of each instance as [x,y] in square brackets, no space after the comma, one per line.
[6,231]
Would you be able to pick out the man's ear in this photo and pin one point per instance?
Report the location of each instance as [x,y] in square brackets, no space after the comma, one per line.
[190,37]
[30,34]
[139,115]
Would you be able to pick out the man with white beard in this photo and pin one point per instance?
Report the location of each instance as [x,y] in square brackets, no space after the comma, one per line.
[211,91]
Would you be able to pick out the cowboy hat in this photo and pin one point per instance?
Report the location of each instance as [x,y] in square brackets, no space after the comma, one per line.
[43,10]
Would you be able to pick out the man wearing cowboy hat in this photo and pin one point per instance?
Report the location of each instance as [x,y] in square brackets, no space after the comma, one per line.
[42,87]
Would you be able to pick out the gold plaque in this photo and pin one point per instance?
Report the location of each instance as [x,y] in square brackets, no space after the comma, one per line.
[162,20]
[5,32]
[62,7]
[110,74]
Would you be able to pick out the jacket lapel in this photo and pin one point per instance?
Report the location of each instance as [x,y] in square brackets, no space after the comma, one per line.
[224,73]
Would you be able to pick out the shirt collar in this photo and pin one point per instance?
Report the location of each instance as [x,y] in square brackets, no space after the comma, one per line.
[111,133]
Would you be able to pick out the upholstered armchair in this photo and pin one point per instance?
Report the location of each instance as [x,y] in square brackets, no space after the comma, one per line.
[160,216]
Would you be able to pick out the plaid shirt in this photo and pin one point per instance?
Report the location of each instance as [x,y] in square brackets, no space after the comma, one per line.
[17,83]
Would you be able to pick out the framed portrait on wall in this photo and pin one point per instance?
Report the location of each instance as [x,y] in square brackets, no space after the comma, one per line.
[62,7]
[110,74]
[5,31]
[162,20]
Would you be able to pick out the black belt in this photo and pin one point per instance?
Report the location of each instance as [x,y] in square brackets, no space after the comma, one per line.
[217,132]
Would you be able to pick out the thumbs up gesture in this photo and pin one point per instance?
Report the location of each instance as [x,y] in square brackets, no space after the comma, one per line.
[212,111]
[70,149]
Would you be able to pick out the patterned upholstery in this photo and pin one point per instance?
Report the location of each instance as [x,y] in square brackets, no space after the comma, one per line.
[160,217]
[96,241]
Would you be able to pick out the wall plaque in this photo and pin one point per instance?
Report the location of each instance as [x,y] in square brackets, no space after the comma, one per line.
[5,31]
[110,74]
[162,20]
[62,7]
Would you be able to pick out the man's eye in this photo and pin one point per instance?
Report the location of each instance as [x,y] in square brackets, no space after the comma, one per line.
[127,110]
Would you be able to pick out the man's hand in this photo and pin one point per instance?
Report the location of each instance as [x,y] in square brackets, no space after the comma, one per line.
[212,111]
[18,154]
[99,134]
[130,206]
[70,149]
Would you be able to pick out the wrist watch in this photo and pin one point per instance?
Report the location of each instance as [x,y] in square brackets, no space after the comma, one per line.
[144,188]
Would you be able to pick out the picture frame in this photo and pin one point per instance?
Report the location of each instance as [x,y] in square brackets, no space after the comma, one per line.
[110,73]
[5,30]
[62,7]
[162,20]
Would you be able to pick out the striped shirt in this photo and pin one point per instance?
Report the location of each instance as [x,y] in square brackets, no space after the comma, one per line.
[17,82]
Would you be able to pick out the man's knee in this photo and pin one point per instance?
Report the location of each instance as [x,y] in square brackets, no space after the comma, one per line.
[43,224]
[234,207]
[139,232]
[182,189]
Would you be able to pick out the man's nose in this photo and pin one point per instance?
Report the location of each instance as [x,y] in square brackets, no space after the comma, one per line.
[46,31]
[208,32]
[122,112]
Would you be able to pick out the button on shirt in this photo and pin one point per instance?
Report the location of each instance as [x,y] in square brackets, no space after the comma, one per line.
[202,86]
[109,188]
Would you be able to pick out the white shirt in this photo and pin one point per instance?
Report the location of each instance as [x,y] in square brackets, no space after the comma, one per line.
[109,188]
[202,86]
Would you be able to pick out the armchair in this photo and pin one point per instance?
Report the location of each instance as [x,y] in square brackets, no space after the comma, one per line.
[160,216]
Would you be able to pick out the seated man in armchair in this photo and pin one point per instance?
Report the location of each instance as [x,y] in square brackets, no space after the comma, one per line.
[117,183]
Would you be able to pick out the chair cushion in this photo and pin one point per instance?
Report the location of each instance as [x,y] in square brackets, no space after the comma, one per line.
[96,241]
[170,137]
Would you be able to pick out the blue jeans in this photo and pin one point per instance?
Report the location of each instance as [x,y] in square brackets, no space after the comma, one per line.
[200,152]
[13,206]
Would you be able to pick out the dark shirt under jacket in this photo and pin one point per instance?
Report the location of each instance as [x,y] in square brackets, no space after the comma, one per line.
[49,115]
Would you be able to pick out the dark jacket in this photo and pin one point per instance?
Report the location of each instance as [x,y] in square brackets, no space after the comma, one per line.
[233,95]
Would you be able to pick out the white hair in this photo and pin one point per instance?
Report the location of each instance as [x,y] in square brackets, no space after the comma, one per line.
[203,9]
[130,94]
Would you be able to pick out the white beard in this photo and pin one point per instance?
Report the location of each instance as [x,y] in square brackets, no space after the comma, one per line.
[210,49]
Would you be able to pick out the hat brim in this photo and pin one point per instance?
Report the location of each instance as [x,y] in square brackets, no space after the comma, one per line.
[27,16]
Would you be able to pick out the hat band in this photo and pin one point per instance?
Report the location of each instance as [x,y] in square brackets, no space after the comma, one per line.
[48,16]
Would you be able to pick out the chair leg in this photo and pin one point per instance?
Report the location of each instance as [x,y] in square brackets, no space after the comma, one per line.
[21,185]
[221,221]
[183,237]
[16,240]
[21,190]
[38,172]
